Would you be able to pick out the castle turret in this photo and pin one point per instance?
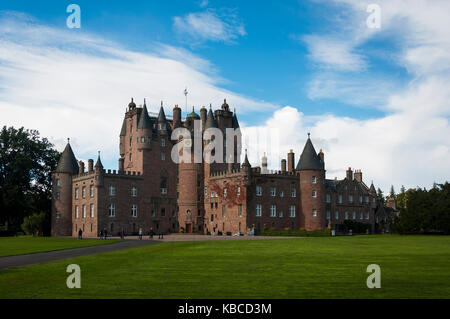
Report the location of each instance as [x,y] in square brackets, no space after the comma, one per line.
[264,164]
[312,188]
[144,129]
[203,114]
[162,121]
[62,193]
[98,169]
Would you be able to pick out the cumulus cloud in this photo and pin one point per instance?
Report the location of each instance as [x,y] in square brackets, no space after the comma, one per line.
[77,85]
[410,145]
[209,25]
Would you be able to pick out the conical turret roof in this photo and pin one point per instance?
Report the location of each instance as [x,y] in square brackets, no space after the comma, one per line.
[246,162]
[210,120]
[161,115]
[99,162]
[123,130]
[309,158]
[144,121]
[67,162]
[234,121]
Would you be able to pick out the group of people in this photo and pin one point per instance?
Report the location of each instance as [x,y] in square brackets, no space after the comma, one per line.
[104,234]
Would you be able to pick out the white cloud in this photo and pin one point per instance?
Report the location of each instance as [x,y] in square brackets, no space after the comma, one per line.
[334,54]
[77,85]
[209,25]
[410,145]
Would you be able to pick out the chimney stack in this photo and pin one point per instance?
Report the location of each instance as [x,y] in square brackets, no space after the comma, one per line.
[121,164]
[81,169]
[90,165]
[291,161]
[349,174]
[283,166]
[358,175]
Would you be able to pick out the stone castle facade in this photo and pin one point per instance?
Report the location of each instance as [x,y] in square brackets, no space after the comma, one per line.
[150,191]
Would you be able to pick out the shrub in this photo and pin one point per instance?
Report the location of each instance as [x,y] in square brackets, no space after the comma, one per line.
[32,225]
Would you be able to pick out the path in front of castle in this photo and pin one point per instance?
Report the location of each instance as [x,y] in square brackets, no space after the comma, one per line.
[129,242]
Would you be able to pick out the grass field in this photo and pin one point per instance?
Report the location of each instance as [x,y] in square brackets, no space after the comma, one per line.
[411,267]
[10,246]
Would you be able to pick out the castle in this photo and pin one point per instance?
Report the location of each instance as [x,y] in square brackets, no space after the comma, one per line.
[151,191]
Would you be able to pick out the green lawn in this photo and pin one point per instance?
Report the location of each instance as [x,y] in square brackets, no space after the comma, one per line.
[411,267]
[10,246]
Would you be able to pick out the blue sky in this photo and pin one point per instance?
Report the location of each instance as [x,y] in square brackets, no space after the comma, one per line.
[309,65]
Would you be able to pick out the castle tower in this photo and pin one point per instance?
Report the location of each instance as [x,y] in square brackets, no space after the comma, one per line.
[312,188]
[144,130]
[62,193]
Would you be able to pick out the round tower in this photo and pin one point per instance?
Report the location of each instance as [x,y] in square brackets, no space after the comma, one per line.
[188,193]
[62,193]
[312,188]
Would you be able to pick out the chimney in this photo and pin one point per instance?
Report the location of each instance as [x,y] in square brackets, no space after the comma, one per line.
[358,175]
[81,169]
[203,112]
[264,164]
[283,166]
[291,161]
[176,117]
[90,165]
[121,164]
[321,156]
[349,174]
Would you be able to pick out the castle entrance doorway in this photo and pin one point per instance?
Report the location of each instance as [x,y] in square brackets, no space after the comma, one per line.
[188,228]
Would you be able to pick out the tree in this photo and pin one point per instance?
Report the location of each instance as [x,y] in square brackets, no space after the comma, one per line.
[380,195]
[401,197]
[26,163]
[392,192]
[34,224]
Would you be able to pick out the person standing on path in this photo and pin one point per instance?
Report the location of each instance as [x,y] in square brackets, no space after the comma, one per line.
[122,234]
[151,233]
[105,233]
[140,233]
[80,234]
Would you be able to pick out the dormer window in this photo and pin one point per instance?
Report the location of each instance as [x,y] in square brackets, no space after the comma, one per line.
[162,126]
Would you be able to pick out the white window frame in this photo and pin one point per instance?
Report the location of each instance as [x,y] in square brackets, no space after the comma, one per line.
[314,180]
[314,212]
[340,199]
[354,215]
[292,211]
[273,210]
[76,193]
[314,193]
[76,211]
[273,191]
[111,210]
[293,192]
[336,215]
[328,215]
[83,211]
[112,190]
[91,190]
[134,211]
[134,191]
[239,190]
[258,210]
[328,198]
[91,209]
[258,190]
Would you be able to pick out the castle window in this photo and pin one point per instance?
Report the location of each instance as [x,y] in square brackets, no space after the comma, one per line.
[212,205]
[273,191]
[224,211]
[367,199]
[131,158]
[293,192]
[174,214]
[239,190]
[76,193]
[328,198]
[212,194]
[314,193]
[354,215]
[360,199]
[163,142]
[224,192]
[58,182]
[328,215]
[350,199]
[134,191]
[258,191]
[131,140]
[57,195]
[142,139]
[212,217]
[258,210]
[367,215]
[292,211]
[340,199]
[84,211]
[361,215]
[134,211]
[163,185]
[163,156]
[373,200]
[58,215]
[153,213]
[376,219]
[91,190]
[112,190]
[280,214]
[346,215]
[336,215]
[273,211]
[240,210]
[76,211]
[112,210]
[281,194]
[92,210]
[314,212]
[215,205]
[314,180]
[83,192]
[206,191]
[163,191]
[162,126]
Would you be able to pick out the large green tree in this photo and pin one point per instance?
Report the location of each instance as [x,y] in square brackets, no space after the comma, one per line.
[26,163]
